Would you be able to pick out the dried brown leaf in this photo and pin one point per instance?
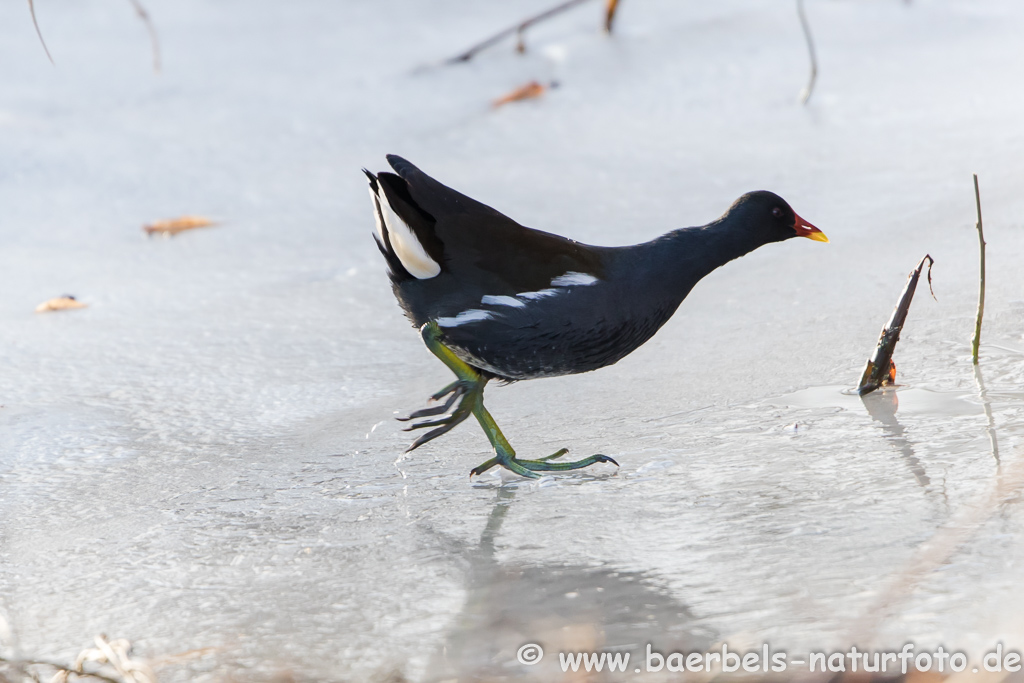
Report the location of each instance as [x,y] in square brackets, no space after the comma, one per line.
[173,226]
[531,90]
[60,303]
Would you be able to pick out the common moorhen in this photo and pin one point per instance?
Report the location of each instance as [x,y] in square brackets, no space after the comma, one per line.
[495,300]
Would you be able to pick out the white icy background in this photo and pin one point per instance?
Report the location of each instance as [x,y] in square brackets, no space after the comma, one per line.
[205,457]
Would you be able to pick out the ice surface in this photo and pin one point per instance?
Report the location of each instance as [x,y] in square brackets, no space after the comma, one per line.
[204,457]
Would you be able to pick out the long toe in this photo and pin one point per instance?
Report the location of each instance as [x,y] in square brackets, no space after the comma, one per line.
[463,411]
[544,465]
[446,427]
[554,456]
[429,436]
[456,389]
[517,466]
[482,467]
[430,423]
[425,412]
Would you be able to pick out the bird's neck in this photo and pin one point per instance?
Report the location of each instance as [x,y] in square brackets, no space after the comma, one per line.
[680,259]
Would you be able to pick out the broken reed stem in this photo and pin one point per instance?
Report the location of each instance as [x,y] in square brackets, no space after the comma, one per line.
[879,370]
[517,29]
[609,15]
[32,11]
[976,342]
[805,94]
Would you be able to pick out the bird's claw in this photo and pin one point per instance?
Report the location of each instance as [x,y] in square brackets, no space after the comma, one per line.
[482,467]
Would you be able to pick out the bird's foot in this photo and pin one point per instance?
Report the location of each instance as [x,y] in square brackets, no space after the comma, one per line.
[463,391]
[529,468]
[467,394]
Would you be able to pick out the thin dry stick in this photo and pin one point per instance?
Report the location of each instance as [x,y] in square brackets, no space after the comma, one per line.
[32,11]
[154,41]
[139,9]
[805,94]
[609,15]
[976,342]
[512,30]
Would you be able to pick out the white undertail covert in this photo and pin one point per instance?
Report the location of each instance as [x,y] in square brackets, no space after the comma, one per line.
[403,240]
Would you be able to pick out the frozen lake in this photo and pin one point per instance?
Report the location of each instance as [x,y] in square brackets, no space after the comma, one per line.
[204,460]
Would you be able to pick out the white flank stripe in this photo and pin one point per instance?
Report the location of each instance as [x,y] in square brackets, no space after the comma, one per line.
[376,214]
[502,301]
[573,278]
[408,249]
[539,295]
[471,316]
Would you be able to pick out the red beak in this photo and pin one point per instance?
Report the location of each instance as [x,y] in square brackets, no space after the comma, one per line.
[805,229]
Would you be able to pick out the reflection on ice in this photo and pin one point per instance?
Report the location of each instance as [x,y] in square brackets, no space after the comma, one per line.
[983,395]
[562,607]
[906,400]
[203,459]
[882,405]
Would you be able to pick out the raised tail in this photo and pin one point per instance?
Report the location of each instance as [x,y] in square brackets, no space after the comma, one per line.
[405,232]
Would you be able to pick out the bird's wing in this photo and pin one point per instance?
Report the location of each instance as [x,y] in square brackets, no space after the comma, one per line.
[484,251]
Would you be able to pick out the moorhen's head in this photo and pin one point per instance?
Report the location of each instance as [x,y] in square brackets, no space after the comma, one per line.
[771,217]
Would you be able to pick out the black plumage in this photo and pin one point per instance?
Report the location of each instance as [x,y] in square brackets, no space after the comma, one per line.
[494,299]
[534,304]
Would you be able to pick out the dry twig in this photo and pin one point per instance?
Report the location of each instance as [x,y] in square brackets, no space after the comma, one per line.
[139,9]
[32,11]
[805,94]
[609,14]
[153,40]
[28,668]
[976,342]
[116,654]
[516,30]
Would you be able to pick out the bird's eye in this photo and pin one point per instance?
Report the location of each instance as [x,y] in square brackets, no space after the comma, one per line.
[777,212]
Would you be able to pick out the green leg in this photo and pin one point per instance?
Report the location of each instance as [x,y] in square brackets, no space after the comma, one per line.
[468,389]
